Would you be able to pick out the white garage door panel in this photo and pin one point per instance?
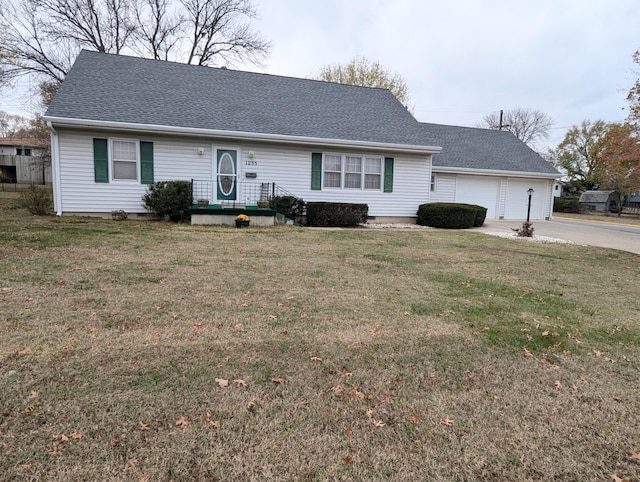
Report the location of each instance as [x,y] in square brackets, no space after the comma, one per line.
[479,190]
[518,199]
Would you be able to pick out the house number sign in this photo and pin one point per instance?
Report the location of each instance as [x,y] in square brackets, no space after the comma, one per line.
[250,163]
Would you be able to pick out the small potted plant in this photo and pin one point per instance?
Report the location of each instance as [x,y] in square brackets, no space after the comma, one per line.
[203,203]
[242,221]
[263,203]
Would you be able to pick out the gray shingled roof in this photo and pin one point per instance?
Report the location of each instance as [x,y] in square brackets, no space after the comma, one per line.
[595,196]
[115,88]
[487,149]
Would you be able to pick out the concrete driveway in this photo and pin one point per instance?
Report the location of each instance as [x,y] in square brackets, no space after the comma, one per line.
[605,235]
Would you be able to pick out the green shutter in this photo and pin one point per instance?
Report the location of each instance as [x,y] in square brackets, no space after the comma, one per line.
[388,174]
[316,171]
[146,162]
[100,160]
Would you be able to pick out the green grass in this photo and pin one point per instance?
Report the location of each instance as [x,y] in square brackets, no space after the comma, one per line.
[344,352]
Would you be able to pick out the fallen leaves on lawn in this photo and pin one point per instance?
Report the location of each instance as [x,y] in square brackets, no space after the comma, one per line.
[222,382]
[252,405]
[447,421]
[634,455]
[143,426]
[315,358]
[625,478]
[277,380]
[182,422]
[240,383]
[213,423]
[26,350]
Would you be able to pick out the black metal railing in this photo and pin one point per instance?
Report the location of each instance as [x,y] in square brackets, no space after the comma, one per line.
[247,193]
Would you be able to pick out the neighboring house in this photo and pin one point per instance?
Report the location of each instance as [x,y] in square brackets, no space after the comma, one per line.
[25,160]
[119,123]
[491,168]
[601,201]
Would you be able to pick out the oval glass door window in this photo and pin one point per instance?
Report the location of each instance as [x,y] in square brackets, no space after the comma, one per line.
[226,174]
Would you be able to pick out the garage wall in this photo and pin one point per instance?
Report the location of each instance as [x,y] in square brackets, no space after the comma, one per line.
[480,190]
[504,197]
[517,199]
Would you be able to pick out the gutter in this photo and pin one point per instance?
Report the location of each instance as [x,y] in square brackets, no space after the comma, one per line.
[55,170]
[243,136]
[491,172]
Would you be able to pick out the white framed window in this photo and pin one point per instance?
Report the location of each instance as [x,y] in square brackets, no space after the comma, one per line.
[343,171]
[373,173]
[353,172]
[332,171]
[433,182]
[124,160]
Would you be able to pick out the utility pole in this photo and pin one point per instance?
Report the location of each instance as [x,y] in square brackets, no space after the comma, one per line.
[501,124]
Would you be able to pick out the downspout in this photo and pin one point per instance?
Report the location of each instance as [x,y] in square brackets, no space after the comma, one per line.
[55,170]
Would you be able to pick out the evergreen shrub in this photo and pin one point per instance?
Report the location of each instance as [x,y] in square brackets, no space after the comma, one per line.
[450,215]
[169,199]
[336,214]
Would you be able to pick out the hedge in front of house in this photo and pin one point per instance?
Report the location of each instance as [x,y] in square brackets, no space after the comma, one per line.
[291,206]
[450,215]
[336,214]
[481,214]
[169,199]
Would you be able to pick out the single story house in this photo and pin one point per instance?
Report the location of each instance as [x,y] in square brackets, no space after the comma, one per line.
[119,123]
[601,201]
[25,160]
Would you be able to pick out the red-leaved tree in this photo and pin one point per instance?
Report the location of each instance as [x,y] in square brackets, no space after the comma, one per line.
[619,158]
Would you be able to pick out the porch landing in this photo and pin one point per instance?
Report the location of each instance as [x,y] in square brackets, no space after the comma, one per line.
[218,214]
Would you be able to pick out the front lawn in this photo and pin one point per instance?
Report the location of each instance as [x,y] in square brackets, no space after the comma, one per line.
[152,351]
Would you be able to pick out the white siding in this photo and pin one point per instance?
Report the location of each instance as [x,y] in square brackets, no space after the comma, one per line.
[290,168]
[180,158]
[511,199]
[445,191]
[174,158]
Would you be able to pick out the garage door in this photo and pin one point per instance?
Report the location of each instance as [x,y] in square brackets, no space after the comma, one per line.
[479,190]
[518,199]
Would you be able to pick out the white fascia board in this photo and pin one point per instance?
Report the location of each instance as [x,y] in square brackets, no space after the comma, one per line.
[243,136]
[490,172]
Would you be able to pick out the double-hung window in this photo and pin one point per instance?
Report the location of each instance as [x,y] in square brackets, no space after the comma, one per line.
[373,173]
[124,159]
[352,172]
[332,171]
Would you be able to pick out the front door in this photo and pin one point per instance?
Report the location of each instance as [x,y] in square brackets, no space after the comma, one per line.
[227,173]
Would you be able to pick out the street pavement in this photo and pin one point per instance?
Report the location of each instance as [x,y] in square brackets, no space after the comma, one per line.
[589,233]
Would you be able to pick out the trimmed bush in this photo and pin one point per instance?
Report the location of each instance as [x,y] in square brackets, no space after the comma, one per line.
[567,204]
[169,199]
[448,215]
[37,201]
[291,206]
[336,214]
[481,214]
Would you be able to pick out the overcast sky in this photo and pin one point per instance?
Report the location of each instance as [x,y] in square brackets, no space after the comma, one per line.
[463,59]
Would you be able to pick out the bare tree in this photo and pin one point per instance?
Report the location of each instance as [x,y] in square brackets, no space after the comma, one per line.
[159,29]
[366,73]
[45,36]
[528,125]
[219,28]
